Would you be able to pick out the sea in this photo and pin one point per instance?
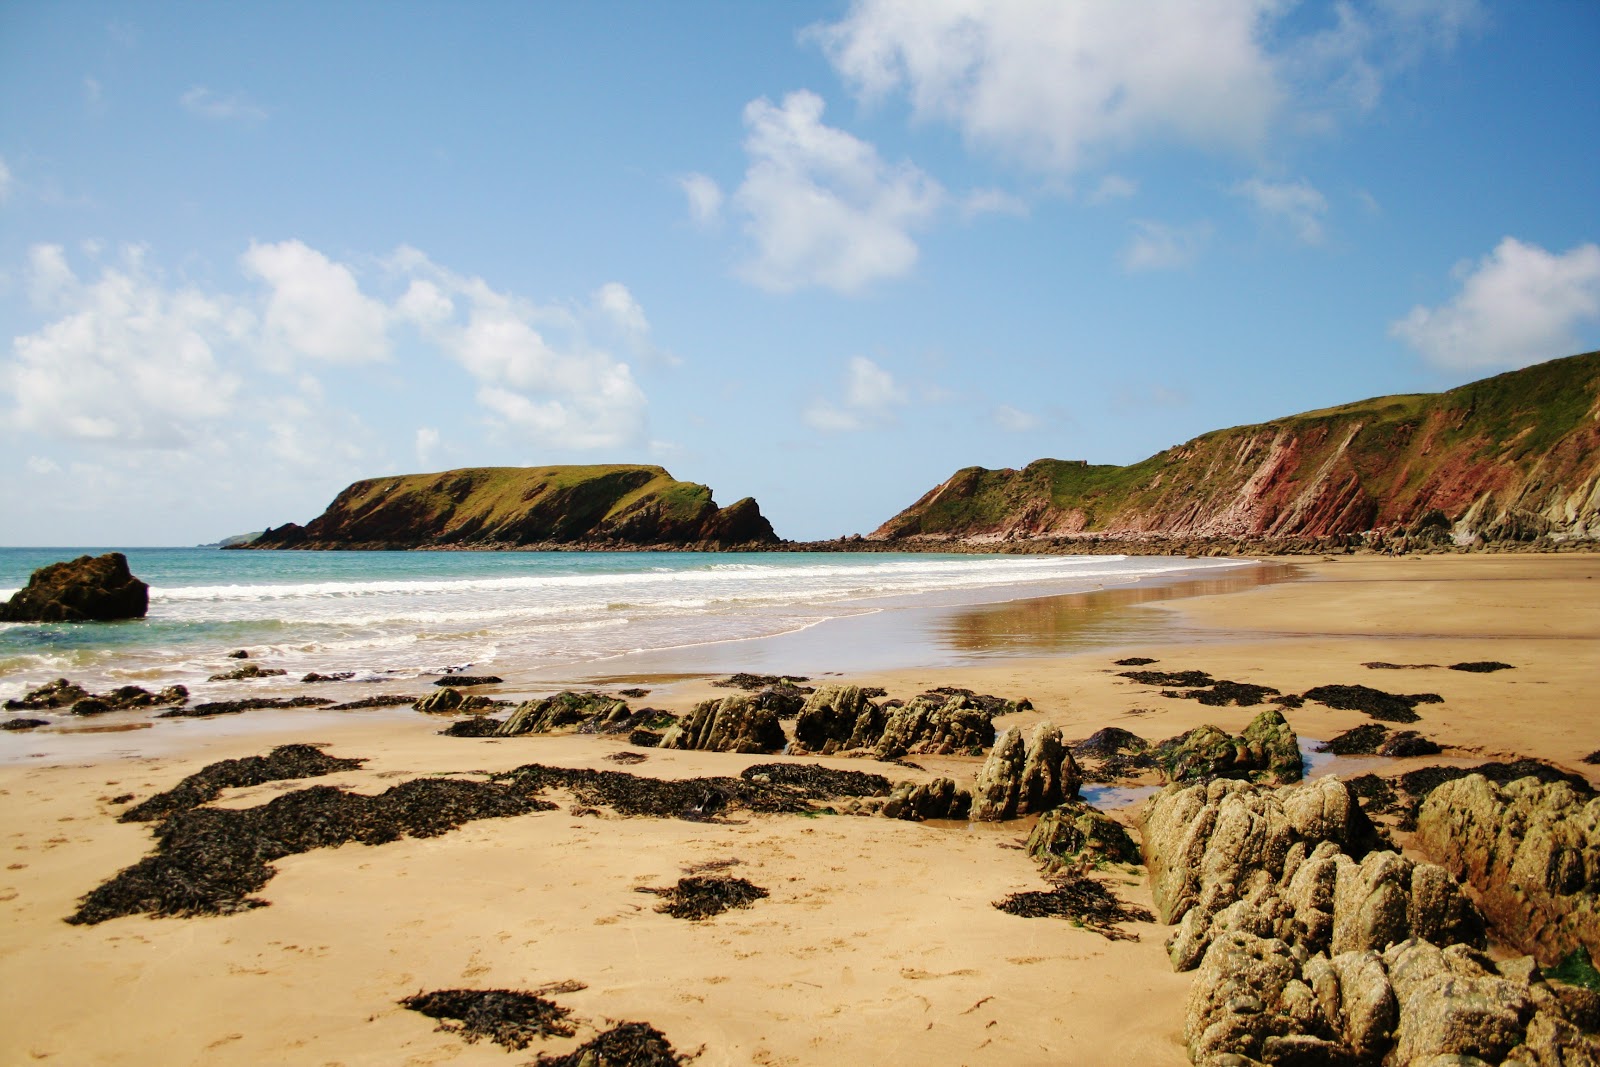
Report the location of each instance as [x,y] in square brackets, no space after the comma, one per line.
[405,615]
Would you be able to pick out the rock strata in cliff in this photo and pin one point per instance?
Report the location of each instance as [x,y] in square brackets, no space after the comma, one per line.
[1508,459]
[614,506]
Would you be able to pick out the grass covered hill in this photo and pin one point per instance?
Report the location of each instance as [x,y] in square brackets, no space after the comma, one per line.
[1508,458]
[603,506]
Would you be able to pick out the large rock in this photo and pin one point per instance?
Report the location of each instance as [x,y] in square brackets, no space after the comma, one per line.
[938,799]
[1531,852]
[1077,836]
[937,724]
[86,589]
[994,797]
[565,710]
[1020,779]
[1267,751]
[732,724]
[837,717]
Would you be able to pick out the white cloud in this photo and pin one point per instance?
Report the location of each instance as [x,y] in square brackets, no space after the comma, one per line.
[704,196]
[1519,305]
[317,308]
[204,103]
[1297,204]
[618,305]
[992,202]
[127,360]
[1012,419]
[821,206]
[5,181]
[870,395]
[1113,187]
[43,466]
[537,370]
[1055,85]
[427,444]
[1158,246]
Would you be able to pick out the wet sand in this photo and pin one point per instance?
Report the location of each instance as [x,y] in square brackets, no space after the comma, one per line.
[878,943]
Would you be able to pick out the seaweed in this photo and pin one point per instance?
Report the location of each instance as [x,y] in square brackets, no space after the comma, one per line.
[1576,968]
[1379,665]
[23,724]
[1378,794]
[634,693]
[234,707]
[624,1045]
[1083,901]
[1482,666]
[644,739]
[1177,679]
[1121,754]
[1417,784]
[627,757]
[1222,692]
[1591,759]
[249,670]
[1408,743]
[818,783]
[384,700]
[476,726]
[283,763]
[209,860]
[336,676]
[988,703]
[1375,703]
[1135,661]
[695,799]
[456,681]
[1360,741]
[504,1016]
[751,682]
[702,896]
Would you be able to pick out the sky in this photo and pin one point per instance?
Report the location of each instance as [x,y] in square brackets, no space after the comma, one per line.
[822,254]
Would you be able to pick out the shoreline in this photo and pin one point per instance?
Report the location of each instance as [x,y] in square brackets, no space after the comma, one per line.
[878,942]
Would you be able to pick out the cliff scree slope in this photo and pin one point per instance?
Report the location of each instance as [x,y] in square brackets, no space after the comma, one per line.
[511,507]
[1509,458]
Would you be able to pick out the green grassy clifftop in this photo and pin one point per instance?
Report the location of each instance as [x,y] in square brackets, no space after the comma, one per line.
[1511,457]
[512,507]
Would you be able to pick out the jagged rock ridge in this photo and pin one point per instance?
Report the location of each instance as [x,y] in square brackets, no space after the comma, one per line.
[1509,458]
[522,507]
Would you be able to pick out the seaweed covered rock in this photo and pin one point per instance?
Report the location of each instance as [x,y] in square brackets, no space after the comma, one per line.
[1078,836]
[86,589]
[732,724]
[916,801]
[938,723]
[1020,779]
[1530,850]
[837,717]
[1112,753]
[565,710]
[64,694]
[1267,751]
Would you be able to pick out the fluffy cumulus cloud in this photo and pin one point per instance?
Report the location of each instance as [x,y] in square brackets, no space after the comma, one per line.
[537,371]
[316,307]
[1518,305]
[127,358]
[869,398]
[1297,205]
[1160,246]
[820,206]
[1054,85]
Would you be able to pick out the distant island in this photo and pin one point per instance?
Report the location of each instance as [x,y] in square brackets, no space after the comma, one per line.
[1513,459]
[615,506]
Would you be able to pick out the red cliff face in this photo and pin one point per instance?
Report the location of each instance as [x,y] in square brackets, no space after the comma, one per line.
[1512,457]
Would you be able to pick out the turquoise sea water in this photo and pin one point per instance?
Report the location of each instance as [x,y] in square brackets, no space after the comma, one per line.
[410,614]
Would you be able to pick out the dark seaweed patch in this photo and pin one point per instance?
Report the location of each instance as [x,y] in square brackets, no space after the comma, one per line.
[1482,666]
[818,783]
[1361,741]
[1081,900]
[696,799]
[23,724]
[1116,753]
[624,1045]
[633,694]
[1390,707]
[1221,693]
[1380,665]
[234,707]
[1176,679]
[504,1016]
[644,739]
[386,700]
[751,682]
[1592,758]
[459,681]
[701,896]
[476,726]
[627,757]
[1135,661]
[988,703]
[208,860]
[284,763]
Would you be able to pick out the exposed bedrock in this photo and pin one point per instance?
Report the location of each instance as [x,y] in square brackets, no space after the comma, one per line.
[565,710]
[938,799]
[1531,853]
[86,589]
[1076,836]
[839,718]
[1267,751]
[732,724]
[1022,779]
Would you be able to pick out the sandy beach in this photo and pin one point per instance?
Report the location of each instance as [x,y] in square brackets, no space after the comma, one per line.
[878,942]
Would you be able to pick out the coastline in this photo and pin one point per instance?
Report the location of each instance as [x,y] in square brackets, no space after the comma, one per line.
[878,943]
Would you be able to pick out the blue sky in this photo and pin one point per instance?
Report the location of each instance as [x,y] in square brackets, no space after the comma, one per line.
[820,254]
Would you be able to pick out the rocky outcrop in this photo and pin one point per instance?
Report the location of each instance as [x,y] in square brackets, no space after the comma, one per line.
[937,725]
[916,801]
[64,694]
[1077,837]
[614,506]
[564,711]
[1531,853]
[837,717]
[1268,751]
[86,589]
[732,724]
[449,701]
[1511,458]
[1020,779]
[1259,1000]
